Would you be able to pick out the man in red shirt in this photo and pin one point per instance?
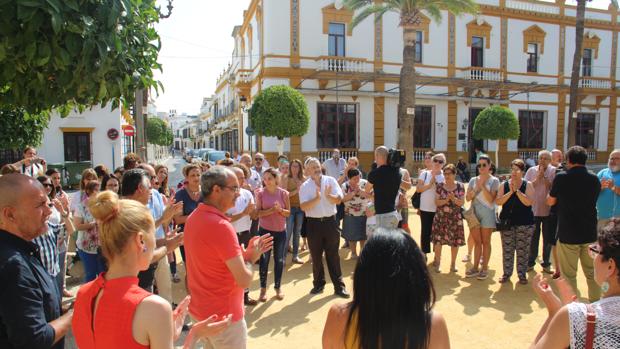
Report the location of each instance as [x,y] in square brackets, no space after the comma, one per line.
[218,269]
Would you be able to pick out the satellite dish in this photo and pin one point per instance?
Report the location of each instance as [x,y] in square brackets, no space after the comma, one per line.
[338,4]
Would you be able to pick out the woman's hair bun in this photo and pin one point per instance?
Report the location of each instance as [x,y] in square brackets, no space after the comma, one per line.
[104,205]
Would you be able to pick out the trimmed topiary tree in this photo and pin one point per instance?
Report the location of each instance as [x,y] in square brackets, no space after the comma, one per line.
[496,122]
[280,111]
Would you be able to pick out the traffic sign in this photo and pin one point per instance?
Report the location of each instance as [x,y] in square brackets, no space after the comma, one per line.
[113,134]
[129,130]
[250,131]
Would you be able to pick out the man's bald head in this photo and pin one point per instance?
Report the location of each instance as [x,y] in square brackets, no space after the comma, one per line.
[24,206]
[12,187]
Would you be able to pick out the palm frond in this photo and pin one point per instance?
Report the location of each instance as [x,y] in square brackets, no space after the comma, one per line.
[357,4]
[615,3]
[378,9]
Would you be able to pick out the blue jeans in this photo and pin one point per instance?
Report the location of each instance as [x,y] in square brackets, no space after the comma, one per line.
[93,265]
[293,229]
[279,246]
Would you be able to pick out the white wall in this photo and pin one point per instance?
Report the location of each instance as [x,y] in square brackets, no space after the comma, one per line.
[102,148]
[276,16]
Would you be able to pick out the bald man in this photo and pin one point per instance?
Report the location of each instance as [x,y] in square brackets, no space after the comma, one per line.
[30,312]
[606,205]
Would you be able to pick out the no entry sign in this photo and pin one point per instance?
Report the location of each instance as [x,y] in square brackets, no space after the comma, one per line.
[129,130]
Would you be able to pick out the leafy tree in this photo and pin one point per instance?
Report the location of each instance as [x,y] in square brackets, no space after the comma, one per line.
[574,77]
[67,53]
[280,111]
[158,132]
[496,122]
[19,129]
[410,12]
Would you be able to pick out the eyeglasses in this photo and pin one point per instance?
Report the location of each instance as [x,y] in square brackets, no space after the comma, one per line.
[482,165]
[234,188]
[438,161]
[594,250]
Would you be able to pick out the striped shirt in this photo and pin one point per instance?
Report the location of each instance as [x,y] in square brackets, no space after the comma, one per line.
[48,248]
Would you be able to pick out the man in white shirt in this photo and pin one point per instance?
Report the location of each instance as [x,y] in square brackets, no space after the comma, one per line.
[318,197]
[334,166]
[240,219]
[31,165]
[254,181]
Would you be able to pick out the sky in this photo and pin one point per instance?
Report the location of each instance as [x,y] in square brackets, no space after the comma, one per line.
[197,45]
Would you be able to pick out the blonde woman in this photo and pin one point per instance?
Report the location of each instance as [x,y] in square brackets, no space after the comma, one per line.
[112,311]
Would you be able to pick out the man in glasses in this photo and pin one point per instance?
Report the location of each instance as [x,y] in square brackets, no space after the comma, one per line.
[541,177]
[575,192]
[607,204]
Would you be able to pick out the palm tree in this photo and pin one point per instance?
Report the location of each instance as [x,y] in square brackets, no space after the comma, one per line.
[410,17]
[574,77]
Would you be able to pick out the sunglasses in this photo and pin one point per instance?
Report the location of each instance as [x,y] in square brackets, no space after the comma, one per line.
[258,159]
[438,161]
[594,250]
[48,185]
[482,165]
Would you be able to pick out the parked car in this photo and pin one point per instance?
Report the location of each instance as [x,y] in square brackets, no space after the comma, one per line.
[200,153]
[188,154]
[213,156]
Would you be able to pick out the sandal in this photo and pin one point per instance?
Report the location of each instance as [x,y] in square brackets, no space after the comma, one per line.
[263,295]
[483,275]
[504,278]
[472,273]
[523,280]
[279,294]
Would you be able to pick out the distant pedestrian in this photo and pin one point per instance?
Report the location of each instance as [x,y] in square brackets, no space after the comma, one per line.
[607,204]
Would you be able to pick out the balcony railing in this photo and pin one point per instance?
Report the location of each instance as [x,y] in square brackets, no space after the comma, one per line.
[244,76]
[480,73]
[528,154]
[344,64]
[532,7]
[592,82]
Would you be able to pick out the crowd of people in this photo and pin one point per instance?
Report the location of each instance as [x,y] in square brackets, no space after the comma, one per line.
[125,226]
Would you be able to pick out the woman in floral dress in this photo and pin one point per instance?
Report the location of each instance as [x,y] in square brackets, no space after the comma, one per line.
[448,221]
[88,236]
[355,203]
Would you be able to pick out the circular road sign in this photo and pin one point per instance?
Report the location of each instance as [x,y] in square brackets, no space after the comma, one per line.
[113,134]
[249,131]
[129,130]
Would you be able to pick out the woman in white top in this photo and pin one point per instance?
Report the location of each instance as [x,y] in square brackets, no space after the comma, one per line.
[567,324]
[482,191]
[426,186]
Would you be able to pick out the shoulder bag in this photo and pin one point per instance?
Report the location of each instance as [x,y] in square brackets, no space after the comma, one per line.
[415,199]
[590,326]
[470,214]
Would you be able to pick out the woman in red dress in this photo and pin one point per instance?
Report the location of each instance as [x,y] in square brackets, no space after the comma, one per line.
[112,311]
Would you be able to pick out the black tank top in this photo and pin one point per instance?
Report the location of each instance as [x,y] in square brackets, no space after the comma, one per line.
[514,210]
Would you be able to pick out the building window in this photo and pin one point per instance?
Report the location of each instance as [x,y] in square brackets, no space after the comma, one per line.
[532,126]
[336,45]
[532,58]
[586,62]
[477,51]
[586,130]
[418,46]
[336,125]
[423,127]
[77,146]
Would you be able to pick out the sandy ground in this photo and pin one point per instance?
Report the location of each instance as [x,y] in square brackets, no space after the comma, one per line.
[480,314]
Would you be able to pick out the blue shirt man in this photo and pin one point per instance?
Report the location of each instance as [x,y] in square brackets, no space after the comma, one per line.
[608,203]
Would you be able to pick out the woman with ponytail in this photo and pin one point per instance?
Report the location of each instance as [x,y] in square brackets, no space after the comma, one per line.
[112,311]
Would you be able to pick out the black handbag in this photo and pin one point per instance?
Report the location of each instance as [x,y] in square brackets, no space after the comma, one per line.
[415,200]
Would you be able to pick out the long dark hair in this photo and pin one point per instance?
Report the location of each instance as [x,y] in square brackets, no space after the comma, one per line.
[393,293]
[43,179]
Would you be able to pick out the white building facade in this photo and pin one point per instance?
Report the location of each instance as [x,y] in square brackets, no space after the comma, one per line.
[516,53]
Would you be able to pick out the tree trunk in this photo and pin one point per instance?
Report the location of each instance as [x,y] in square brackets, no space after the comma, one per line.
[280,146]
[574,77]
[406,96]
[497,155]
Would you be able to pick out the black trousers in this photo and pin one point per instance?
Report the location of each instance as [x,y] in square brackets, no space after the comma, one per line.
[323,236]
[426,219]
[147,277]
